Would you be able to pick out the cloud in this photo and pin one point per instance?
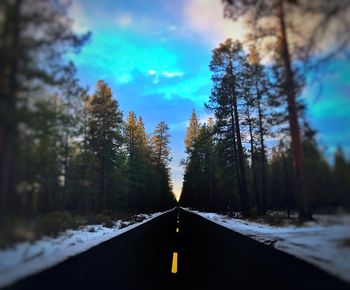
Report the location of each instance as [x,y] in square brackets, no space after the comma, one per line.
[120,54]
[206,18]
[76,12]
[172,74]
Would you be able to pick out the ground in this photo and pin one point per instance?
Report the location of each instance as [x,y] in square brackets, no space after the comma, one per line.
[324,243]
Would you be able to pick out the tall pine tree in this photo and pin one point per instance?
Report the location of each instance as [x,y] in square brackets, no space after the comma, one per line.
[104,140]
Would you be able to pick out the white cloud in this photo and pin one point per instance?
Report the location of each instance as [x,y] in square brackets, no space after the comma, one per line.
[76,12]
[206,18]
[172,74]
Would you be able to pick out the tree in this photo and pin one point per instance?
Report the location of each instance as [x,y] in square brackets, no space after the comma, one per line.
[104,139]
[209,166]
[190,189]
[139,162]
[160,144]
[294,43]
[199,185]
[161,157]
[192,131]
[82,163]
[38,176]
[28,62]
[227,66]
[250,122]
[280,168]
[261,87]
[341,176]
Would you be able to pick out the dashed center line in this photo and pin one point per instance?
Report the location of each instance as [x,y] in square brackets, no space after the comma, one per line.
[175,254]
[174,264]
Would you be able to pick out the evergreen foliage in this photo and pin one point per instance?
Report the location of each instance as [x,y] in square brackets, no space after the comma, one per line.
[230,167]
[62,149]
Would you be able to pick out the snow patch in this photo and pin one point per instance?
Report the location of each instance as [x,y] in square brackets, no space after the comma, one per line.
[26,258]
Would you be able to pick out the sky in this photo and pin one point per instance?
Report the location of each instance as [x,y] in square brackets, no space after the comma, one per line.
[155,57]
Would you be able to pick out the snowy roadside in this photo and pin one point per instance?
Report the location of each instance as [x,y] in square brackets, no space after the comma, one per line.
[28,258]
[325,243]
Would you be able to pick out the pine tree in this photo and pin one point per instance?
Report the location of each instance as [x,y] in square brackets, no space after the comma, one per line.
[160,144]
[139,163]
[199,187]
[190,191]
[227,66]
[104,140]
[250,122]
[293,42]
[209,166]
[261,87]
[341,173]
[161,157]
[192,131]
[38,175]
[29,62]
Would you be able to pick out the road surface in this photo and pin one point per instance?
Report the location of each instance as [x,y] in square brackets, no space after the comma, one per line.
[181,250]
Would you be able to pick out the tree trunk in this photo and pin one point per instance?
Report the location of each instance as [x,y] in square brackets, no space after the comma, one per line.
[211,190]
[65,169]
[263,155]
[8,125]
[102,183]
[83,206]
[256,192]
[297,148]
[244,194]
[286,178]
[235,160]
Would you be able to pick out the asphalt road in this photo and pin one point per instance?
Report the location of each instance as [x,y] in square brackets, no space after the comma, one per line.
[209,257]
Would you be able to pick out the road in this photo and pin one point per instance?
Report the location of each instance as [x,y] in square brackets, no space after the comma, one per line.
[209,257]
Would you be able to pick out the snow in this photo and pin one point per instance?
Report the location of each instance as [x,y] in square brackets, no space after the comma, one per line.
[26,259]
[325,243]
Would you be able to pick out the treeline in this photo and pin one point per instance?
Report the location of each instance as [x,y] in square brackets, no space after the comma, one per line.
[293,51]
[62,149]
[114,163]
[242,160]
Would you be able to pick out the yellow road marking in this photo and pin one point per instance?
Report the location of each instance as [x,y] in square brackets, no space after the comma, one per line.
[177,230]
[174,265]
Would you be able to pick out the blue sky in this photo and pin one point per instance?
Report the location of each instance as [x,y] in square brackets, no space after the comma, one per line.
[155,56]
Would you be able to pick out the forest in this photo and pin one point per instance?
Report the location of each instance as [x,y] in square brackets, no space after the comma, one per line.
[259,152]
[195,144]
[62,148]
[65,148]
[243,160]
